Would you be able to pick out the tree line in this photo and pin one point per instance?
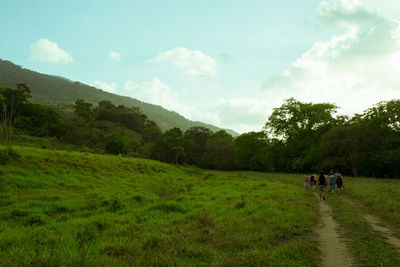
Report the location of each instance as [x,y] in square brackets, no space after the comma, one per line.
[297,136]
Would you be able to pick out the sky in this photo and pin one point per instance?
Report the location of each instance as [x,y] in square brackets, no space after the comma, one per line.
[226,62]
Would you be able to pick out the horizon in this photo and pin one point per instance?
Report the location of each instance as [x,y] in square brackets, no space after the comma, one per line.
[219,70]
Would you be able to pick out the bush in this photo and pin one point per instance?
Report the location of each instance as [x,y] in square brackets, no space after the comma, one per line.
[117,143]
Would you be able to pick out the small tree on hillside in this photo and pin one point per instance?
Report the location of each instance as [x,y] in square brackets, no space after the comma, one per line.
[6,127]
[10,100]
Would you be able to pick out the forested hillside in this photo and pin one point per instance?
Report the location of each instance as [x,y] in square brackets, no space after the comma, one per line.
[48,89]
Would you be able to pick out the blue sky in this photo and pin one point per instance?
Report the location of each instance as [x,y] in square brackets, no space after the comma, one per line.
[223,62]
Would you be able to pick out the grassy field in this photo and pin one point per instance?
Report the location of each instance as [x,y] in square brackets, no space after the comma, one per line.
[71,208]
[378,196]
[368,247]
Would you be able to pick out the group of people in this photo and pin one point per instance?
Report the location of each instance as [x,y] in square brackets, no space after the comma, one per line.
[335,182]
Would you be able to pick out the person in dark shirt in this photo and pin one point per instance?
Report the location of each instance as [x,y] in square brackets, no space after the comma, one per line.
[321,186]
[339,182]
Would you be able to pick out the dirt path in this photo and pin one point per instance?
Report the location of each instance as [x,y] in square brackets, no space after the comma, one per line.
[333,248]
[377,225]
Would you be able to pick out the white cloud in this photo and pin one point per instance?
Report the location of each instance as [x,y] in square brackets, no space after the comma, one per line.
[47,51]
[354,70]
[109,87]
[114,56]
[348,13]
[239,114]
[154,92]
[194,63]
[240,111]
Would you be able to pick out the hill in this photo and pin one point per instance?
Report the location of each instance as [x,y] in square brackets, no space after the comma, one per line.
[49,89]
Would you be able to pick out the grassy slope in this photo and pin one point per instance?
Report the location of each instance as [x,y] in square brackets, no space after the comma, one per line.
[70,208]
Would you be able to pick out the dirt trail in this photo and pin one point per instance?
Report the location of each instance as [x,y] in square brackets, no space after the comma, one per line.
[332,246]
[377,225]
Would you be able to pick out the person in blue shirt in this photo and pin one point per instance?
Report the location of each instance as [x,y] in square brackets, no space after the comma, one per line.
[332,182]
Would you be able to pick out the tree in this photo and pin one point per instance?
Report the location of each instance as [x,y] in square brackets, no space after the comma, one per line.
[383,121]
[383,114]
[253,152]
[10,101]
[131,118]
[40,120]
[195,140]
[349,144]
[294,116]
[219,152]
[169,147]
[6,126]
[84,110]
[300,125]
[179,153]
[117,143]
[151,131]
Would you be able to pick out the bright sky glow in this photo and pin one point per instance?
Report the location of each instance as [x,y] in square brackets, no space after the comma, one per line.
[228,62]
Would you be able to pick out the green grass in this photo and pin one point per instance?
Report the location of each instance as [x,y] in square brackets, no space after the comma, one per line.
[70,208]
[378,196]
[48,143]
[368,247]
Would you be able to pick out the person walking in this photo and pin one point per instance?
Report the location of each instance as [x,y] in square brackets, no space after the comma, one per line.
[306,181]
[312,182]
[339,182]
[321,186]
[332,182]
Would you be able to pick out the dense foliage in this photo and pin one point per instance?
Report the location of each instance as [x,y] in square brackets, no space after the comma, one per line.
[312,138]
[297,137]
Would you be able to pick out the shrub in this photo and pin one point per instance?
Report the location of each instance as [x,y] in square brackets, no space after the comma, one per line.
[117,143]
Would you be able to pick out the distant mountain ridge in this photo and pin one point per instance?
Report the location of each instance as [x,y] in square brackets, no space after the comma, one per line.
[49,89]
